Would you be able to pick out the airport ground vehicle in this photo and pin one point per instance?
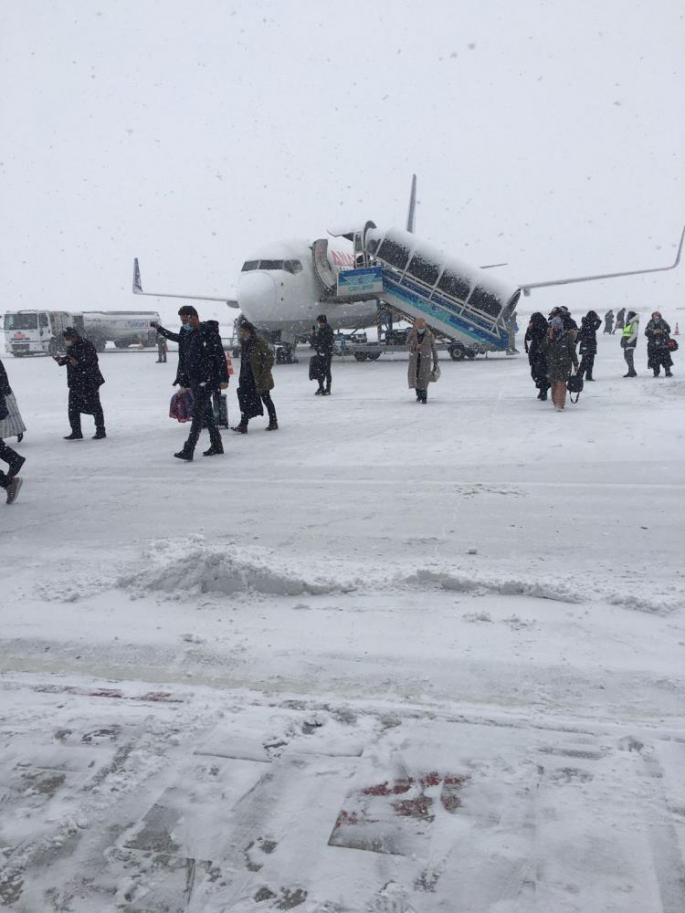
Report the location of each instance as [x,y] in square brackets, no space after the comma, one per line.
[39,332]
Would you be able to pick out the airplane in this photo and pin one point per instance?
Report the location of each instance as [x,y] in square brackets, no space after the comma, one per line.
[284,286]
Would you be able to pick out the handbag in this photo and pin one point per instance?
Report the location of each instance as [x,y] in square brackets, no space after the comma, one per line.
[672,345]
[181,406]
[575,385]
[435,375]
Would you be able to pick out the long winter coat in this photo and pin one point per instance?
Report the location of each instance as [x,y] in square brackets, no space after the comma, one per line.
[587,337]
[206,359]
[423,358]
[84,378]
[561,355]
[183,340]
[257,352]
[537,356]
[658,332]
[323,340]
[12,425]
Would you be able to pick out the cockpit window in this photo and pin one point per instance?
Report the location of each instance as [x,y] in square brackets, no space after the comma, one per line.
[290,266]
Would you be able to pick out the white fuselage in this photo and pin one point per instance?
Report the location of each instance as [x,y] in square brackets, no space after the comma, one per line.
[279,291]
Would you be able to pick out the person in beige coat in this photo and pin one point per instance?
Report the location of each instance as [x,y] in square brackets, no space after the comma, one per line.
[423,359]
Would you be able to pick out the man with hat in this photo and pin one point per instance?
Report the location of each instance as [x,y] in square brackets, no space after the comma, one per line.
[323,340]
[84,381]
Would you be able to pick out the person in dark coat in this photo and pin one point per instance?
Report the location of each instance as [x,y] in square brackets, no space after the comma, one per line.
[9,481]
[207,372]
[256,379]
[587,339]
[323,340]
[84,380]
[609,322]
[560,347]
[658,334]
[182,339]
[620,320]
[537,357]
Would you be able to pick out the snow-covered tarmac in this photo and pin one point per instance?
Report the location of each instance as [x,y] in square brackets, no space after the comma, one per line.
[389,658]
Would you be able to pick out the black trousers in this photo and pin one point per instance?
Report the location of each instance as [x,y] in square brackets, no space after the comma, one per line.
[75,403]
[270,409]
[326,376]
[587,363]
[628,355]
[203,417]
[7,455]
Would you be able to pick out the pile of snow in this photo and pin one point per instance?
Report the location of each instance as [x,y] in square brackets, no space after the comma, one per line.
[194,566]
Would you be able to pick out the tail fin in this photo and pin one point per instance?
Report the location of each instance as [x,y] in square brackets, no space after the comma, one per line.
[411,215]
[137,284]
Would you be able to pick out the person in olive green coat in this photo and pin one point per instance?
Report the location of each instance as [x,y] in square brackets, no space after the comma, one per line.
[561,356]
[256,381]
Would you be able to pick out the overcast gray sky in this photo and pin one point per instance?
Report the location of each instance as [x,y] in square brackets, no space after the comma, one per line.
[547,134]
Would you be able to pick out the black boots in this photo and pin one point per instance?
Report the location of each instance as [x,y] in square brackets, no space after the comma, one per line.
[273,425]
[214,450]
[74,436]
[186,455]
[99,434]
[542,394]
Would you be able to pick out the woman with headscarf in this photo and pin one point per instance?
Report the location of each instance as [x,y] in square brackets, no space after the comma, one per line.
[13,424]
[559,344]
[658,334]
[587,338]
[423,359]
[537,356]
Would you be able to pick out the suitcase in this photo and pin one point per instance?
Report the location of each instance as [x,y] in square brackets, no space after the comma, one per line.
[317,367]
[220,406]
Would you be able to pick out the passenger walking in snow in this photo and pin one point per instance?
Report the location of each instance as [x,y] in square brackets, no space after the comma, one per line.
[323,340]
[9,481]
[256,379]
[207,372]
[561,356]
[423,359]
[629,338]
[13,425]
[620,320]
[587,338]
[161,349]
[84,380]
[658,333]
[182,338]
[609,322]
[537,356]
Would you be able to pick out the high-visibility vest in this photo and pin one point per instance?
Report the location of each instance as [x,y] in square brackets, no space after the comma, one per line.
[628,330]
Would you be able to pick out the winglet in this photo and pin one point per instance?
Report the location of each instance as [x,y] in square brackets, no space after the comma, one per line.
[411,214]
[137,284]
[526,287]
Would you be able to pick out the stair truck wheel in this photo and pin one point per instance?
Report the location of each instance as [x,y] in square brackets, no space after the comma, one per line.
[360,356]
[457,353]
[374,356]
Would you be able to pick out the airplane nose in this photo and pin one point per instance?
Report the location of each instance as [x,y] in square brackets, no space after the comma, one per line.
[257,296]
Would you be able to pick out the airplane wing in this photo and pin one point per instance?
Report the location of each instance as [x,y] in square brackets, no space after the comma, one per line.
[527,286]
[138,290]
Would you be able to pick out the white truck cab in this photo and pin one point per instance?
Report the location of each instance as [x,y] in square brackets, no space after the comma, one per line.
[35,332]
